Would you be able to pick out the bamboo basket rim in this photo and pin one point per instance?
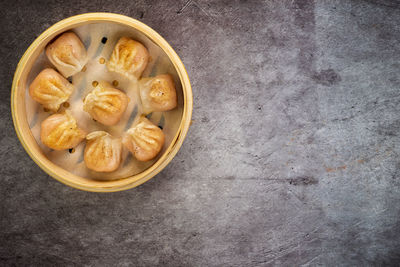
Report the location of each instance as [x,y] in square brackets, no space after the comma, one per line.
[86,184]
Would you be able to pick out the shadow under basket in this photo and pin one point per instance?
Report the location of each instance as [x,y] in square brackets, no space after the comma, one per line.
[25,112]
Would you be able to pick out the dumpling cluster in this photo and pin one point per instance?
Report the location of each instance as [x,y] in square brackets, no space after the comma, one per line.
[105,104]
[68,54]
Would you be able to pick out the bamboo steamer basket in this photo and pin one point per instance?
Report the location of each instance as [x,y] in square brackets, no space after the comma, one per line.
[29,143]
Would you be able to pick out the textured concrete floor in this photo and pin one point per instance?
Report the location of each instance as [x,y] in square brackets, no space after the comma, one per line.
[292,159]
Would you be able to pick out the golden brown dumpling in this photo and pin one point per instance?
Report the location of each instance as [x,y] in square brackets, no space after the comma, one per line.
[128,58]
[106,104]
[50,89]
[144,140]
[102,152]
[60,131]
[67,53]
[158,93]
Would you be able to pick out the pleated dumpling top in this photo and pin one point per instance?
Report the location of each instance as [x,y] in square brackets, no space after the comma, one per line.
[106,104]
[102,152]
[60,131]
[158,93]
[128,58]
[50,89]
[145,140]
[67,53]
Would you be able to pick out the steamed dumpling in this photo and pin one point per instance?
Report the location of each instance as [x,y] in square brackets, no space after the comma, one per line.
[50,89]
[67,53]
[144,140]
[158,93]
[102,152]
[128,58]
[106,104]
[60,131]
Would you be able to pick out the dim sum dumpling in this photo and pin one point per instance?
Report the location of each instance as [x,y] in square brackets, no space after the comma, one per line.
[50,89]
[128,58]
[158,93]
[144,140]
[67,53]
[106,104]
[60,131]
[102,152]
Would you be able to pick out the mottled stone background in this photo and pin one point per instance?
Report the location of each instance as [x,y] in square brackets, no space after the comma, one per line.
[292,158]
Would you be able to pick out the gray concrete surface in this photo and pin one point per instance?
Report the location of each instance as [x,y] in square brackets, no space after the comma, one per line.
[292,159]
